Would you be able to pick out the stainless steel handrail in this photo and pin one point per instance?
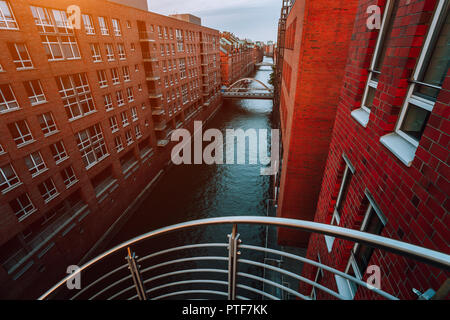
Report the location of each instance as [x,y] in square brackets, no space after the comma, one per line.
[432,257]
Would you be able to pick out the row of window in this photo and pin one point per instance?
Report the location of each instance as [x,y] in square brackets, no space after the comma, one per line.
[424,86]
[110,53]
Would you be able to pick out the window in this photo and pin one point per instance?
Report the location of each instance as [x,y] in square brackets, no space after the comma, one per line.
[7,99]
[20,55]
[118,143]
[128,24]
[126,74]
[35,92]
[162,50]
[95,52]
[137,131]
[48,190]
[374,222]
[108,102]
[121,48]
[134,114]
[8,178]
[116,27]
[7,20]
[102,80]
[43,20]
[47,123]
[76,95]
[22,206]
[115,76]
[119,97]
[136,67]
[428,78]
[132,47]
[69,177]
[124,118]
[35,164]
[62,22]
[109,52]
[88,24]
[129,137]
[20,132]
[59,152]
[130,94]
[343,189]
[92,145]
[103,26]
[113,124]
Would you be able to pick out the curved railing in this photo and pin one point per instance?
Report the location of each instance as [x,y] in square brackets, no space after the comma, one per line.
[155,277]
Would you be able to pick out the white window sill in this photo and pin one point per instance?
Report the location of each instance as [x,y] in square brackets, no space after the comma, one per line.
[39,173]
[10,110]
[361,116]
[329,242]
[401,148]
[51,198]
[62,160]
[38,103]
[11,188]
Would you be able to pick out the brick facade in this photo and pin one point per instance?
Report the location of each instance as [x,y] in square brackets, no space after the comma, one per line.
[33,249]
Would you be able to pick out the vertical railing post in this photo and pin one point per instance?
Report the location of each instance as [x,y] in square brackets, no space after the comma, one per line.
[136,275]
[233,245]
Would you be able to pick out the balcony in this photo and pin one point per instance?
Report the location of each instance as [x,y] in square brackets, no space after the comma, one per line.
[224,269]
[146,36]
[148,57]
[154,94]
[160,126]
[158,112]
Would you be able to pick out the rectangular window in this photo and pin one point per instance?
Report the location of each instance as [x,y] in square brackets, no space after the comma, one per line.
[76,95]
[47,123]
[35,164]
[8,178]
[62,23]
[126,74]
[35,92]
[116,27]
[20,55]
[134,114]
[118,143]
[122,54]
[88,24]
[137,131]
[60,47]
[428,77]
[103,26]
[48,190]
[374,222]
[20,132]
[59,152]
[130,94]
[129,137]
[7,98]
[109,52]
[124,118]
[115,76]
[92,145]
[7,19]
[22,207]
[113,124]
[69,177]
[102,80]
[108,102]
[43,20]
[119,98]
[95,52]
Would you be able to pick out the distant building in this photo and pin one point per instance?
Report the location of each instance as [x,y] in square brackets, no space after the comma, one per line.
[188,18]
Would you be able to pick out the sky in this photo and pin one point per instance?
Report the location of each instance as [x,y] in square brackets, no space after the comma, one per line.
[248,19]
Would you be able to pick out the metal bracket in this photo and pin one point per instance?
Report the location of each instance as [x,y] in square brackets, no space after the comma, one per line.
[136,274]
[233,245]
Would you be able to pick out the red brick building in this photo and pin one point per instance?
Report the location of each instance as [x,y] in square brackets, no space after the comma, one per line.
[237,58]
[85,120]
[388,166]
[317,39]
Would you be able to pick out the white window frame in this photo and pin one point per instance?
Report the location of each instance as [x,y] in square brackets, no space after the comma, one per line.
[107,100]
[91,145]
[8,23]
[51,192]
[22,63]
[26,209]
[102,79]
[134,114]
[25,137]
[118,144]
[130,94]
[43,20]
[88,24]
[119,98]
[115,77]
[110,55]
[48,124]
[60,153]
[104,30]
[71,43]
[37,166]
[36,98]
[95,52]
[10,182]
[69,177]
[122,54]
[129,137]
[126,74]
[423,103]
[116,27]
[113,124]
[124,119]
[9,105]
[137,132]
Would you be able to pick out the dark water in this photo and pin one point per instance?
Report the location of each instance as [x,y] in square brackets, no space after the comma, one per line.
[190,192]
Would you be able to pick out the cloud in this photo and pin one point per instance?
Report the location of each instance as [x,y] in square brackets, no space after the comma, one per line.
[254,19]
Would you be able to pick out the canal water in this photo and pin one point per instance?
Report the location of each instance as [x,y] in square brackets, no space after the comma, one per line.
[190,192]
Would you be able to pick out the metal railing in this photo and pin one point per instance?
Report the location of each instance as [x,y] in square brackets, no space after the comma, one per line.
[155,277]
